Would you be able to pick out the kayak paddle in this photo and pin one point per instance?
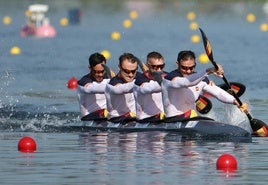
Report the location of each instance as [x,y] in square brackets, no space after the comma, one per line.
[203,104]
[259,127]
[237,87]
[110,73]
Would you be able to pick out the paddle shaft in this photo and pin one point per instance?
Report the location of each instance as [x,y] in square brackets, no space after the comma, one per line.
[109,72]
[233,93]
[210,56]
[227,83]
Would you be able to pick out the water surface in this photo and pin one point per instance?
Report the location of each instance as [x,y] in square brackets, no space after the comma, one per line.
[33,93]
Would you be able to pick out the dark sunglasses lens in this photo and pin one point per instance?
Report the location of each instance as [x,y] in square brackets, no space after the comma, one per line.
[98,72]
[129,71]
[155,67]
[187,68]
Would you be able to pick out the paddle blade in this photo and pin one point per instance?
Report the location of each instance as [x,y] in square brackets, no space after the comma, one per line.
[236,87]
[207,46]
[143,67]
[203,105]
[109,72]
[259,128]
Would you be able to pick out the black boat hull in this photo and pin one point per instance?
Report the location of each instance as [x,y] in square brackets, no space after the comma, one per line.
[195,129]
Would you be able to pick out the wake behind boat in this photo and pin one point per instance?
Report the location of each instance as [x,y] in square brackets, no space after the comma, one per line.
[197,128]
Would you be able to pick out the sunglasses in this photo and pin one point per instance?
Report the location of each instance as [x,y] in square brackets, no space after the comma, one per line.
[156,67]
[97,71]
[186,68]
[129,71]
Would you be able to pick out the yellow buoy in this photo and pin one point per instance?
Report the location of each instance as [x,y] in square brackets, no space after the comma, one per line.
[133,14]
[106,54]
[127,23]
[251,17]
[64,22]
[203,58]
[264,27]
[7,20]
[195,38]
[193,26]
[15,50]
[191,16]
[115,35]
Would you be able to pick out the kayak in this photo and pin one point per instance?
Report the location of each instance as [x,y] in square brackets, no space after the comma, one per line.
[198,128]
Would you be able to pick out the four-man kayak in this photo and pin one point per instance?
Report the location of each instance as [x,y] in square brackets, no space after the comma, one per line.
[197,128]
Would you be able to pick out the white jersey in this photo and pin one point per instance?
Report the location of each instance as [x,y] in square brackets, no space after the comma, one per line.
[120,99]
[148,98]
[91,97]
[180,94]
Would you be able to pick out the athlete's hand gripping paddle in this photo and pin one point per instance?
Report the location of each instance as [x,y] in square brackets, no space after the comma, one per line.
[259,127]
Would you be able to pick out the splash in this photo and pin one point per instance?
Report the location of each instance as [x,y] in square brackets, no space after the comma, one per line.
[15,118]
[22,121]
[233,116]
[236,117]
[229,114]
[6,78]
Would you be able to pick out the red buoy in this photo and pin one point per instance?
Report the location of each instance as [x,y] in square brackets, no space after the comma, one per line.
[27,145]
[72,83]
[226,162]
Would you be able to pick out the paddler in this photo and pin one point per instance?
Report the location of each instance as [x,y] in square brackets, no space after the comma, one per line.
[148,91]
[182,87]
[119,91]
[91,88]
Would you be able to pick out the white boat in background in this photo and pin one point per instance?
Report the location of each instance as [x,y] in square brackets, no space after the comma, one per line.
[37,23]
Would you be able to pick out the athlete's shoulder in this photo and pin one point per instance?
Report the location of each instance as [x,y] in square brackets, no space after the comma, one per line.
[165,73]
[115,80]
[141,78]
[84,80]
[172,74]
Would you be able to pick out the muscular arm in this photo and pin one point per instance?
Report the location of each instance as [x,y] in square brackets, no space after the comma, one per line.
[94,87]
[148,87]
[120,88]
[219,93]
[190,80]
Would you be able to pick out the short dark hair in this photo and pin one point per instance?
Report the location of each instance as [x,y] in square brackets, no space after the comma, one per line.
[185,54]
[95,59]
[154,54]
[128,56]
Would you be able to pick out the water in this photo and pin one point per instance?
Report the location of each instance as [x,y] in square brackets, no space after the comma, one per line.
[33,94]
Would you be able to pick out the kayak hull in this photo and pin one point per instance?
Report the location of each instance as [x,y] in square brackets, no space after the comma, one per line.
[195,129]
